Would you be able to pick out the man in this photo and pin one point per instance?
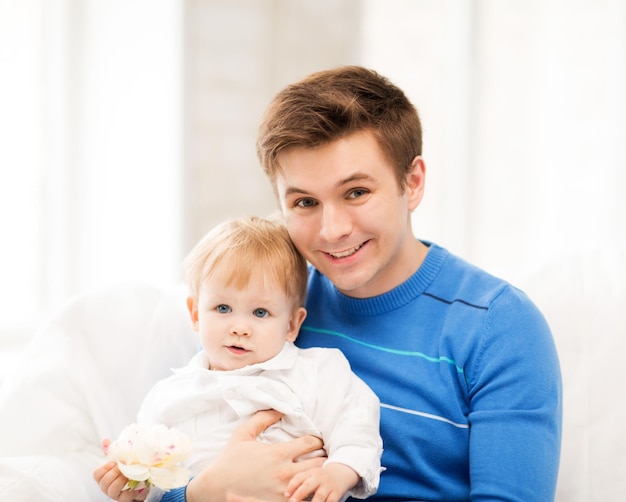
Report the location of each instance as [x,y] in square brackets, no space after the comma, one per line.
[463,363]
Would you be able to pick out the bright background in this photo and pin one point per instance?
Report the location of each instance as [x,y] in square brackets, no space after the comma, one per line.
[128,127]
[127,130]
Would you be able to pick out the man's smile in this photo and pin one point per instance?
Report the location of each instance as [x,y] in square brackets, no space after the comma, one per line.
[347,252]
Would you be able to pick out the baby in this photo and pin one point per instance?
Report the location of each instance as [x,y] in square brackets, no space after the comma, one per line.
[247,287]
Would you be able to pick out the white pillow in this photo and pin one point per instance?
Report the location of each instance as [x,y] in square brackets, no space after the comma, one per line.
[82,378]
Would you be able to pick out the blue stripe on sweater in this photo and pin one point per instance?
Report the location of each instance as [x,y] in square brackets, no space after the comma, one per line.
[386,349]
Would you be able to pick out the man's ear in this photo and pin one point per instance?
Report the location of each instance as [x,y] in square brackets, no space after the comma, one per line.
[415,181]
[296,320]
[192,306]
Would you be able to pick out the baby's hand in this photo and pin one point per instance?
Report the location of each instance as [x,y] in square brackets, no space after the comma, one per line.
[111,481]
[323,484]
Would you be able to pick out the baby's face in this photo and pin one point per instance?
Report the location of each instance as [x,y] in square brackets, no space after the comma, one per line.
[243,326]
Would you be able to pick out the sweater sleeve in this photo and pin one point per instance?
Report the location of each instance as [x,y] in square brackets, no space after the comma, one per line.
[515,405]
[175,495]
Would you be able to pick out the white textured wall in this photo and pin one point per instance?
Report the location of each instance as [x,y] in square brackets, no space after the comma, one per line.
[238,55]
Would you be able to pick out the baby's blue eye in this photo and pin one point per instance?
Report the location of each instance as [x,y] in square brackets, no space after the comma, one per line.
[223,309]
[261,313]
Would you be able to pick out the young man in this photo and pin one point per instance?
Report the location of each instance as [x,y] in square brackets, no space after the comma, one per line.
[463,363]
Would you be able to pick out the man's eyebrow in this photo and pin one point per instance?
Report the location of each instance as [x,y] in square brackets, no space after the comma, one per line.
[358,176]
[291,190]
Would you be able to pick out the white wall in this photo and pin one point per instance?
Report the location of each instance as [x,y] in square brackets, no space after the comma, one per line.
[91,157]
[239,54]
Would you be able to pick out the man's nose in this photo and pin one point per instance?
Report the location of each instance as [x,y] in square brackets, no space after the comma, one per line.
[336,223]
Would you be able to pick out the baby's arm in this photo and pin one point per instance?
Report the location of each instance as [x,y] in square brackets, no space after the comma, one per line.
[347,413]
[326,484]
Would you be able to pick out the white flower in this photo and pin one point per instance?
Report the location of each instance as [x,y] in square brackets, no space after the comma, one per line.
[150,455]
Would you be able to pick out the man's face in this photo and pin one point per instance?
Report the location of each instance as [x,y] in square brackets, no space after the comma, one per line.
[347,215]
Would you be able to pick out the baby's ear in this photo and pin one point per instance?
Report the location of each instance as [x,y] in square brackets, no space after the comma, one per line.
[295,321]
[192,306]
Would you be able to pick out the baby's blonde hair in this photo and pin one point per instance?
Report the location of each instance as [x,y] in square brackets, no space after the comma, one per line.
[247,246]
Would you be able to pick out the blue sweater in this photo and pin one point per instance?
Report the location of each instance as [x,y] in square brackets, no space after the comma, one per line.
[468,378]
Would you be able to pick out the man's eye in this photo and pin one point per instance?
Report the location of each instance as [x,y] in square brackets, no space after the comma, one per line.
[305,203]
[223,309]
[261,313]
[359,192]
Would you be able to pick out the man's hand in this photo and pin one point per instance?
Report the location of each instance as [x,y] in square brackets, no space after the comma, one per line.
[249,470]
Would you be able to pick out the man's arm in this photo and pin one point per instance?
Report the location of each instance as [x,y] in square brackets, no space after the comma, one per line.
[515,405]
[248,468]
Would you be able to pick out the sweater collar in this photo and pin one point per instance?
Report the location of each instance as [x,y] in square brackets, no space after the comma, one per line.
[406,292]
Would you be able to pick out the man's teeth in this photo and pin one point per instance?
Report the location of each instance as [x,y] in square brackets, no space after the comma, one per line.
[349,252]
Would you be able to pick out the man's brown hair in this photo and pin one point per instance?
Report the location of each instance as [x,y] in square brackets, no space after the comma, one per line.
[331,104]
